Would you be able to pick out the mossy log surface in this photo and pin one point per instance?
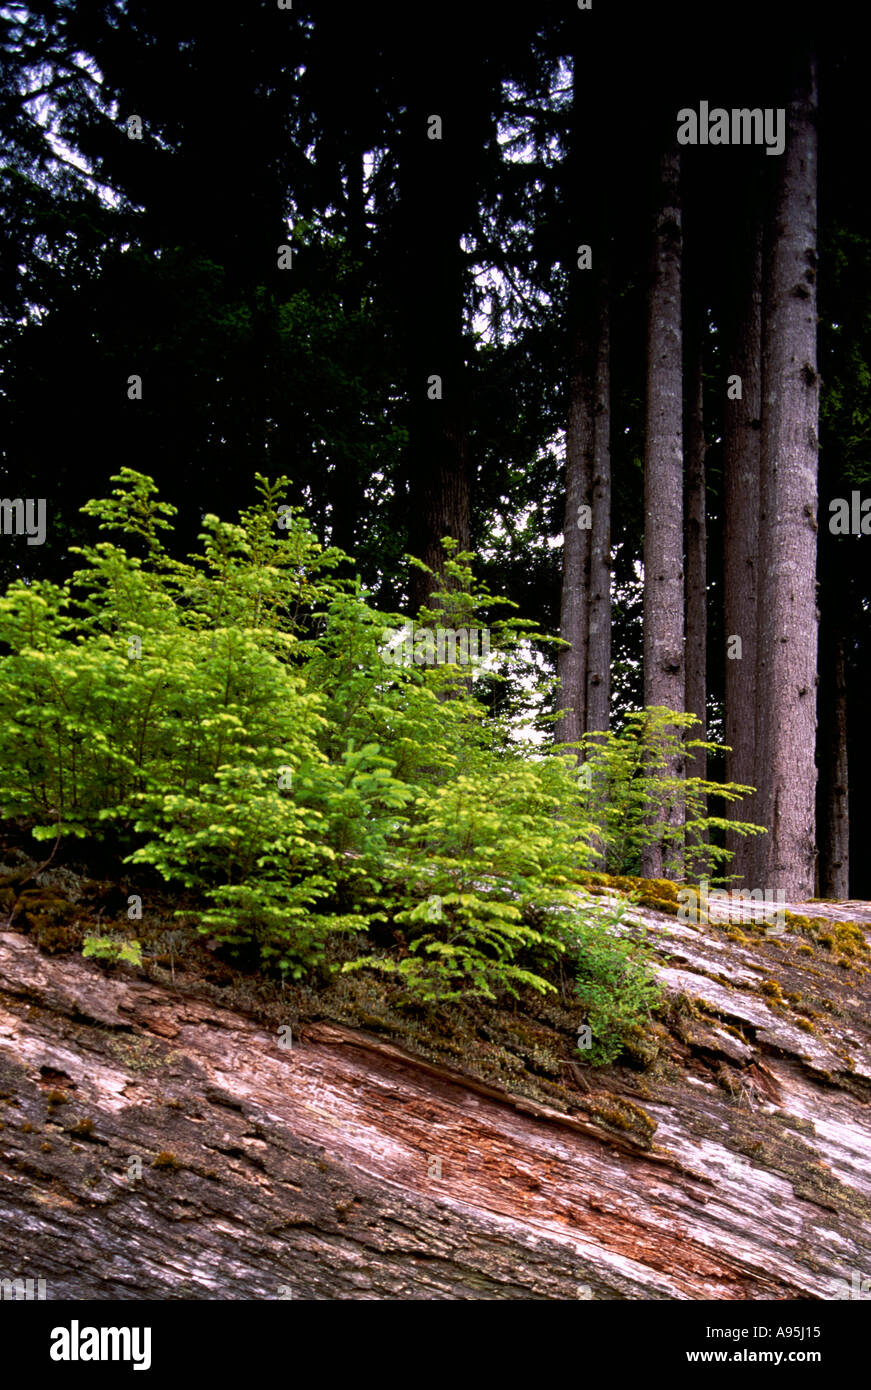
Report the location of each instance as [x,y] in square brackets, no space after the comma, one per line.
[727,1157]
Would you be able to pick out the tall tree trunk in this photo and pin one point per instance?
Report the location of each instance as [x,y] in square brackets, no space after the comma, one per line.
[599,640]
[833,816]
[741,484]
[696,544]
[664,670]
[787,654]
[574,602]
[580,430]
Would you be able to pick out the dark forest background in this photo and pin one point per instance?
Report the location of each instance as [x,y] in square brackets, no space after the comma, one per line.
[265,128]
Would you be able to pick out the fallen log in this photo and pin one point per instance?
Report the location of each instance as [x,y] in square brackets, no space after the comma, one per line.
[157,1144]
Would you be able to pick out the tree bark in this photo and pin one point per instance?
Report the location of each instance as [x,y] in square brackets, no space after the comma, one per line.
[696,546]
[833,812]
[787,653]
[664,668]
[580,432]
[575,598]
[599,640]
[741,486]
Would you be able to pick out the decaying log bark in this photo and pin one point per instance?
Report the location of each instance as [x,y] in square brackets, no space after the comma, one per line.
[344,1167]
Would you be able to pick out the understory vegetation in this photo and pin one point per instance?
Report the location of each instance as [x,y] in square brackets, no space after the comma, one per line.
[231,721]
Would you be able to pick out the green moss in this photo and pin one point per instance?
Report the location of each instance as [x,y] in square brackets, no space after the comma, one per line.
[803,1007]
[803,1126]
[610,1114]
[735,934]
[844,939]
[657,893]
[777,1142]
[816,1183]
[137,1053]
[166,1160]
[665,888]
[57,941]
[659,904]
[849,938]
[796,921]
[624,1115]
[731,1028]
[643,1046]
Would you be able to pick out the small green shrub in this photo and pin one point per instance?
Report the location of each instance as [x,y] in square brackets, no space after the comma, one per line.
[107,948]
[629,784]
[231,718]
[616,988]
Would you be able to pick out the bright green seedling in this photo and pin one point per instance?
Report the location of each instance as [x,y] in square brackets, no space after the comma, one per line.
[108,948]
